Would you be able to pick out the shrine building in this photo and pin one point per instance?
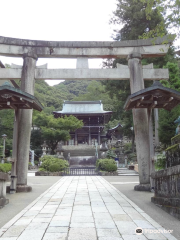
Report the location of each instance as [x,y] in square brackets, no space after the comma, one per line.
[93,117]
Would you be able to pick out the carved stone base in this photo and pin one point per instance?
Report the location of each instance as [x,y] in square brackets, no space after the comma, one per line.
[170,205]
[23,188]
[143,187]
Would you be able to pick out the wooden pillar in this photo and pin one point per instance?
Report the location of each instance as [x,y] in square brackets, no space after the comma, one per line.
[156,120]
[140,120]
[151,147]
[14,153]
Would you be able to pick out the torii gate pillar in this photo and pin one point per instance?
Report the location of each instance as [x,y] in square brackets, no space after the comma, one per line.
[25,118]
[140,119]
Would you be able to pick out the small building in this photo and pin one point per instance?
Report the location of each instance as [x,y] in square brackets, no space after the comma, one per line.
[93,117]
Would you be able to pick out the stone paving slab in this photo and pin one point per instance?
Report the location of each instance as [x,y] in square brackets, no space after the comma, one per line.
[82,208]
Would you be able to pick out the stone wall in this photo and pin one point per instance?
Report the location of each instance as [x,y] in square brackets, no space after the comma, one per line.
[3,178]
[167,190]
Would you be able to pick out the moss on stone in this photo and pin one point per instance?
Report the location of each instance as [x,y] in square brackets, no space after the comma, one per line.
[173,148]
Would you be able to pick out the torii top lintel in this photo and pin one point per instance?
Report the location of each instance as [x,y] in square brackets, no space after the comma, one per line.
[93,49]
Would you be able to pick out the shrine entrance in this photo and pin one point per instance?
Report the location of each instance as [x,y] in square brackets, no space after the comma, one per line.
[134,50]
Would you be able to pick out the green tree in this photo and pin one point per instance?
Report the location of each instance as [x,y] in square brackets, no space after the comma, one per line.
[54,130]
[170,9]
[166,119]
[133,16]
[130,18]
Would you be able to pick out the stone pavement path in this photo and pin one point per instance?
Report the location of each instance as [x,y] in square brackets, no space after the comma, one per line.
[82,208]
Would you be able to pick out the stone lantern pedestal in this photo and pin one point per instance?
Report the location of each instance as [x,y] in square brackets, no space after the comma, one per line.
[60,151]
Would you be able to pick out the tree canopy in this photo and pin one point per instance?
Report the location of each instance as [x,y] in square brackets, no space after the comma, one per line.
[169,9]
[54,130]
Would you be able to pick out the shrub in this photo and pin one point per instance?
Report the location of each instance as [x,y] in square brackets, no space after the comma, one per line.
[42,170]
[108,165]
[5,167]
[53,164]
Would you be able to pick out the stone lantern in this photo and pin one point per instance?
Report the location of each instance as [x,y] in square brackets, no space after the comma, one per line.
[44,148]
[103,149]
[49,151]
[60,150]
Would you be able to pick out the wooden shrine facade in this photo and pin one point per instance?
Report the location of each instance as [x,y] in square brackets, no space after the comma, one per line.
[93,117]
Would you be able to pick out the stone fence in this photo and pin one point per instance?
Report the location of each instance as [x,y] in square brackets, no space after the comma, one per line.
[3,178]
[167,190]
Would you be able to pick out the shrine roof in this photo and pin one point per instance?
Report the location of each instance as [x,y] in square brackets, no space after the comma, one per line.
[114,128]
[14,98]
[82,107]
[156,96]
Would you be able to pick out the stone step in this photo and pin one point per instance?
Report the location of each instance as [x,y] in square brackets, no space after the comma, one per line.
[126,172]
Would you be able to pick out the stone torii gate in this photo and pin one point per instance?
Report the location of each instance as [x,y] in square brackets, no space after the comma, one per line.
[134,50]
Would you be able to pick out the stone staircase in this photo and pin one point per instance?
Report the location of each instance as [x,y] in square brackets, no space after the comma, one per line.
[126,172]
[81,154]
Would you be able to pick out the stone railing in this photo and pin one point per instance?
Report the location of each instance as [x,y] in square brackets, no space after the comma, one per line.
[3,178]
[173,158]
[167,190]
[80,146]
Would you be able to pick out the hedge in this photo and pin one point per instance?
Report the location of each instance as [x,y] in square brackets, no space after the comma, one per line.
[5,167]
[53,164]
[108,165]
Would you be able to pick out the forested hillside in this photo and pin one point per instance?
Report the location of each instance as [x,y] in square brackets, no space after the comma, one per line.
[52,97]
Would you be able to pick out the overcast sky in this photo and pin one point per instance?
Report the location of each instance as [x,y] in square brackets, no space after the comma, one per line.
[57,20]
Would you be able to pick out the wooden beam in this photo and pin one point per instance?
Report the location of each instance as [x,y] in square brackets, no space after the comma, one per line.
[139,102]
[27,104]
[153,105]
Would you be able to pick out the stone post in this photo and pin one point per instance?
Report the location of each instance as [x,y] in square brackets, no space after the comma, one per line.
[99,137]
[140,120]
[25,122]
[89,136]
[156,119]
[76,142]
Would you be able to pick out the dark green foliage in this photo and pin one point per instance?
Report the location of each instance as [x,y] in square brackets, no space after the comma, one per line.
[53,164]
[5,167]
[1,151]
[73,88]
[170,9]
[166,119]
[108,165]
[6,122]
[128,148]
[96,91]
[132,14]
